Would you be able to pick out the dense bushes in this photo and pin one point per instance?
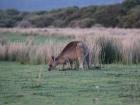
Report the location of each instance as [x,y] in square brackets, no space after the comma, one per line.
[132,19]
[126,14]
[83,23]
[9,18]
[129,4]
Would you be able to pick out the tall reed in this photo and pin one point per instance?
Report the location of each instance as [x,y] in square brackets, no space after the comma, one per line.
[105,46]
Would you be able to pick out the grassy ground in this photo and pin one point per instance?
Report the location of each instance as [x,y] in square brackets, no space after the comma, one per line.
[37,38]
[34,85]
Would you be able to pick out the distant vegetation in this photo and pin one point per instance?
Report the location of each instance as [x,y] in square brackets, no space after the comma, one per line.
[125,15]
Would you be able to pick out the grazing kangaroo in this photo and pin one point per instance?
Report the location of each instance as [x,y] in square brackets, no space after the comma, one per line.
[72,52]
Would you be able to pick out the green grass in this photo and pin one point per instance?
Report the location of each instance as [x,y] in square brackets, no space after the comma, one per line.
[38,39]
[112,85]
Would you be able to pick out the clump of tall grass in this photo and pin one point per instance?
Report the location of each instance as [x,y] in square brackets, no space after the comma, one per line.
[3,52]
[136,51]
[3,41]
[110,50]
[28,52]
[131,51]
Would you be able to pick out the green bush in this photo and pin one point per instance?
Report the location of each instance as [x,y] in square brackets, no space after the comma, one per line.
[9,18]
[41,20]
[83,23]
[110,51]
[132,19]
[108,15]
[128,4]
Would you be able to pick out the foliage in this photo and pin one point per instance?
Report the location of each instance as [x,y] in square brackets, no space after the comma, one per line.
[24,24]
[110,50]
[9,18]
[132,19]
[129,4]
[125,14]
[83,23]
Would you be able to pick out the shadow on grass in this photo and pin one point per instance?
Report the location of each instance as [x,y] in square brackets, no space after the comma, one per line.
[76,69]
[44,94]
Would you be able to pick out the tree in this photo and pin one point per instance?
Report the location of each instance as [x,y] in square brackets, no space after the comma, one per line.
[9,18]
[108,15]
[132,19]
[128,4]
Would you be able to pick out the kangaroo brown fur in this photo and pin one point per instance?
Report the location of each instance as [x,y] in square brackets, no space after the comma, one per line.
[73,51]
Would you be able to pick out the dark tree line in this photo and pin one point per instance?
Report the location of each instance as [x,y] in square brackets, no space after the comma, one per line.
[126,15]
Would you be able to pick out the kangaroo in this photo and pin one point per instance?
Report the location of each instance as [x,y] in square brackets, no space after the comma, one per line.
[72,52]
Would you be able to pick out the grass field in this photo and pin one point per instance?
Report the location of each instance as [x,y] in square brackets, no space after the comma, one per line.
[34,85]
[22,82]
[38,38]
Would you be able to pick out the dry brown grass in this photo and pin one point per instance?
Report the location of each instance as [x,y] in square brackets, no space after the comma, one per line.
[76,31]
[106,45]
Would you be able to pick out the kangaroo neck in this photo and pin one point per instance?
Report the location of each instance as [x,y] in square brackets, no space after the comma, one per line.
[60,60]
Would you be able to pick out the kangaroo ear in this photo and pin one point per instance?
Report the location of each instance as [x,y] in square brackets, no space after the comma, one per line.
[53,58]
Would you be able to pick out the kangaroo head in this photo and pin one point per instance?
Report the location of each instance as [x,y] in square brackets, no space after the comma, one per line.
[52,63]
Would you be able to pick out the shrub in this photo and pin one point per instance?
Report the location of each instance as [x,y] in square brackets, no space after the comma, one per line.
[3,52]
[3,41]
[136,52]
[128,4]
[132,19]
[83,23]
[58,23]
[40,20]
[110,52]
[24,24]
